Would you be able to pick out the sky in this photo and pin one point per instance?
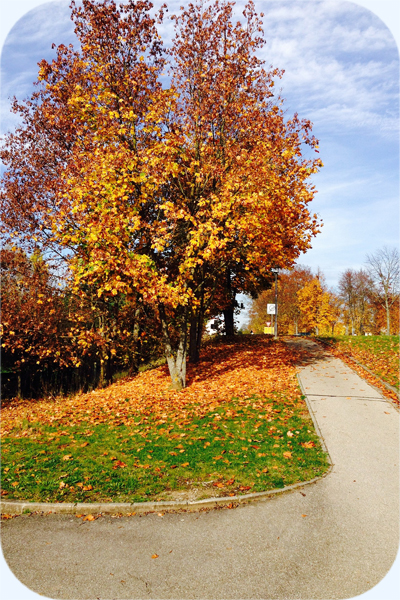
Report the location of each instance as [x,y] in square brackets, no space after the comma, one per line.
[341,63]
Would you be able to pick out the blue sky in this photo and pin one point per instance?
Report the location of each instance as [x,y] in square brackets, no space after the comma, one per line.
[341,71]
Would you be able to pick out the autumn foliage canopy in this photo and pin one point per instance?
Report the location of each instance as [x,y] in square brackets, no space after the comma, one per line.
[161,179]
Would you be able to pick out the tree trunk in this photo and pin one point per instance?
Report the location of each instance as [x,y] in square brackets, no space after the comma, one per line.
[101,376]
[229,321]
[387,316]
[134,366]
[199,334]
[229,310]
[109,370]
[176,361]
[19,392]
[193,335]
[196,331]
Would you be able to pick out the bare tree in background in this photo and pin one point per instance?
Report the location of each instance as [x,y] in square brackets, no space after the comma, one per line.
[355,291]
[384,269]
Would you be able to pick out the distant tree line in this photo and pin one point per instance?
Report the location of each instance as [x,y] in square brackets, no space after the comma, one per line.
[365,301]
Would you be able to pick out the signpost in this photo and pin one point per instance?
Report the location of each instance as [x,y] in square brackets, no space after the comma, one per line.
[275,271]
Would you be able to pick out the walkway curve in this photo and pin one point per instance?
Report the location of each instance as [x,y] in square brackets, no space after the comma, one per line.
[335,539]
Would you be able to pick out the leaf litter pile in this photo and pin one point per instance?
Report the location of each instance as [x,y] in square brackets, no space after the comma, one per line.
[241,425]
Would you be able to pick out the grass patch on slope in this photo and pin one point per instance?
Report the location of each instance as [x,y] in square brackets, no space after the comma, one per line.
[139,441]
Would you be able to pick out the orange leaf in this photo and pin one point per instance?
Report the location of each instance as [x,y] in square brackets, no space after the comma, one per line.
[308,444]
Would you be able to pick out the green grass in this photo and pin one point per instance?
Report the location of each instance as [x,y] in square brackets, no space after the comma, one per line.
[380,353]
[236,449]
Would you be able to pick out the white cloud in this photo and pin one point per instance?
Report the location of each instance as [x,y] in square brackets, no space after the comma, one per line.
[340,62]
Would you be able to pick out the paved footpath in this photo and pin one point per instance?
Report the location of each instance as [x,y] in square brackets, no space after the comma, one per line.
[343,547]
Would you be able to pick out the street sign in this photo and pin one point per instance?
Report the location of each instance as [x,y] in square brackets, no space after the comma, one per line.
[270,309]
[268,323]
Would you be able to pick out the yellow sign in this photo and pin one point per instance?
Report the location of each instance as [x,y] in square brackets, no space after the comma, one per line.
[269,330]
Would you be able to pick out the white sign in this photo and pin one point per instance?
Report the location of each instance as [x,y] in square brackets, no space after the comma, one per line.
[270,309]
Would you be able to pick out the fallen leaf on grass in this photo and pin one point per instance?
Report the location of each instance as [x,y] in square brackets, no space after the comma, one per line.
[67,457]
[148,391]
[307,444]
[186,464]
[118,464]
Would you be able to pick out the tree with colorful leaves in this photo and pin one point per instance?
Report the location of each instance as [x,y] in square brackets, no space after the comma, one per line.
[176,196]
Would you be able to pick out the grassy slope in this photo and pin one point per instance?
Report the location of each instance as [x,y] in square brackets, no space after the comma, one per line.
[380,353]
[241,425]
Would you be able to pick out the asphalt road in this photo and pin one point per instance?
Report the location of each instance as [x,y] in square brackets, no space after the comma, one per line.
[336,538]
